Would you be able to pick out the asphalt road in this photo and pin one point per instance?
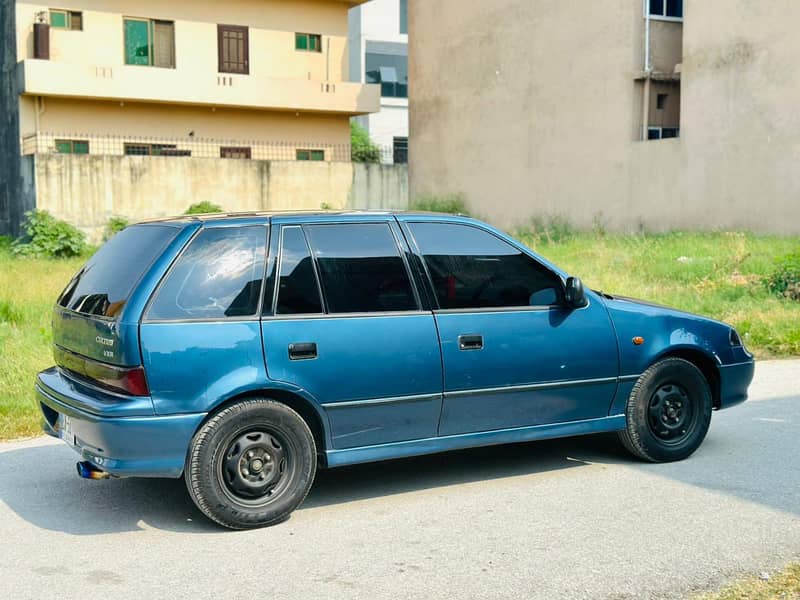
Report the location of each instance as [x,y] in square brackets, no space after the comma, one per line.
[561,519]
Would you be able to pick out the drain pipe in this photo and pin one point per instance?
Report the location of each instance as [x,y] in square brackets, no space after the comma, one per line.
[647,71]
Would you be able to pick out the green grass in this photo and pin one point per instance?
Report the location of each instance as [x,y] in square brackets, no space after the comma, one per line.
[714,274]
[28,288]
[781,586]
[719,275]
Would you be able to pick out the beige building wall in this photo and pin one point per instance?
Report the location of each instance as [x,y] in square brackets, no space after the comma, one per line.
[531,108]
[289,96]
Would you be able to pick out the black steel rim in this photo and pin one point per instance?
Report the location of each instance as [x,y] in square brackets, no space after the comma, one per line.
[671,414]
[256,466]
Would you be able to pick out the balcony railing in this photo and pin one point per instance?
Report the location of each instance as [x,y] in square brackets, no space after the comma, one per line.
[122,145]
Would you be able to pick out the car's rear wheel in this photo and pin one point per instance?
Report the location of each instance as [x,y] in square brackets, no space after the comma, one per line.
[668,412]
[251,464]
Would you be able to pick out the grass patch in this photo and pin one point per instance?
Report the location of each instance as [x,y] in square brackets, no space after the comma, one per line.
[715,274]
[719,275]
[28,288]
[782,586]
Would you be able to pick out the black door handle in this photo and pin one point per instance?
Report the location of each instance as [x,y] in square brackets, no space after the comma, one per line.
[470,342]
[303,351]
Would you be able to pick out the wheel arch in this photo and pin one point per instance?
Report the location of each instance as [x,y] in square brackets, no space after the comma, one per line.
[308,410]
[705,363]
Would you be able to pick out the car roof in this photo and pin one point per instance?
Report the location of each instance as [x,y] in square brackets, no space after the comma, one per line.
[266,216]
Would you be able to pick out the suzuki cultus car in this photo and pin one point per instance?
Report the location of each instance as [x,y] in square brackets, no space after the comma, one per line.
[241,352]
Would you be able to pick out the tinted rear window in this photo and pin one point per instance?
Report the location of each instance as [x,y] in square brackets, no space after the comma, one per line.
[104,284]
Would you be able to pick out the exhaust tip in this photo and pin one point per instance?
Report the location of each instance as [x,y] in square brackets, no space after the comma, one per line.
[87,470]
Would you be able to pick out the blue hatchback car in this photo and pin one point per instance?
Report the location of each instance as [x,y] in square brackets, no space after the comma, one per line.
[243,351]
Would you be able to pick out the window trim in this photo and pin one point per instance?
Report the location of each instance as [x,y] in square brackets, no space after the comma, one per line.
[240,28]
[661,17]
[660,130]
[436,307]
[256,317]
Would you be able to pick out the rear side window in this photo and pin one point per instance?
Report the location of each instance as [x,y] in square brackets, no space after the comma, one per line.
[104,284]
[218,276]
[361,268]
[298,292]
[471,268]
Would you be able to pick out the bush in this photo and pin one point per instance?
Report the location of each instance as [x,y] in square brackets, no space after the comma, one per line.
[362,149]
[114,226]
[49,237]
[202,208]
[549,230]
[784,281]
[452,203]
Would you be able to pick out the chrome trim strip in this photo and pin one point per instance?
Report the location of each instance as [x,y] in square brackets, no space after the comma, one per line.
[530,387]
[379,401]
[739,364]
[629,377]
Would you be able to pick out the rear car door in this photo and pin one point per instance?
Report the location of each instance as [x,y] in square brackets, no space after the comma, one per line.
[514,354]
[346,325]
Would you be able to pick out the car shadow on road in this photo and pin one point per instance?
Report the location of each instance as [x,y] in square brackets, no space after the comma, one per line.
[53,497]
[748,456]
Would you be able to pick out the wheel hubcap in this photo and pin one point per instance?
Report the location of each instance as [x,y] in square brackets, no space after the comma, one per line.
[671,413]
[254,465]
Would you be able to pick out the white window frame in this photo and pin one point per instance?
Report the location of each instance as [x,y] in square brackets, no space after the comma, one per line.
[664,17]
[660,131]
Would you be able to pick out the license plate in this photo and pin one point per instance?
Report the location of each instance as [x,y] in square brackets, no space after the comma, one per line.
[65,430]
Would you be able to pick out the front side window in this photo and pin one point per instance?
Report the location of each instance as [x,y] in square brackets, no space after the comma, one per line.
[666,8]
[218,276]
[149,42]
[472,268]
[361,268]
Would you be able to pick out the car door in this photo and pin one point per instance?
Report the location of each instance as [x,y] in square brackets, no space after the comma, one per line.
[514,354]
[347,326]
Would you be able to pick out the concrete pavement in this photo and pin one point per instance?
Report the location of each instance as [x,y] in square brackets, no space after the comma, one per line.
[572,518]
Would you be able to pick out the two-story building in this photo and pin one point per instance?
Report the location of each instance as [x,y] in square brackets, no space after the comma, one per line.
[263,79]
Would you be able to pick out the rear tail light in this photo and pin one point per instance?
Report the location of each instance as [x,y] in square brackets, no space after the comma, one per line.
[127,380]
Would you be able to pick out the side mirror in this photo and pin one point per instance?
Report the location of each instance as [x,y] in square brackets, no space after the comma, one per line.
[574,295]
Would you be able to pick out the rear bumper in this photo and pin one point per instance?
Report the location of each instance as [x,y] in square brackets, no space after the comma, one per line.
[125,446]
[733,383]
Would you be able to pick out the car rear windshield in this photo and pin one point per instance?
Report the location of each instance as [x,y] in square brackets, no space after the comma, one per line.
[105,283]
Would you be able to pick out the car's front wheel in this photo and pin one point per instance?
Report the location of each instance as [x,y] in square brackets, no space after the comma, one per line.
[668,412]
[251,464]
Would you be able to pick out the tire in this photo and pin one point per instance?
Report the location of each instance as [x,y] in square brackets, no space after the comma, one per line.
[251,464]
[668,412]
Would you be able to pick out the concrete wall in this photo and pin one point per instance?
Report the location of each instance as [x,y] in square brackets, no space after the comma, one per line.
[529,108]
[88,190]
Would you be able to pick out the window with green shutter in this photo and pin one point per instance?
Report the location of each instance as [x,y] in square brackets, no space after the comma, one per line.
[149,43]
[308,42]
[316,155]
[66,19]
[72,146]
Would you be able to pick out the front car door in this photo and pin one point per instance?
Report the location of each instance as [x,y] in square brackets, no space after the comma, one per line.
[347,326]
[514,354]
